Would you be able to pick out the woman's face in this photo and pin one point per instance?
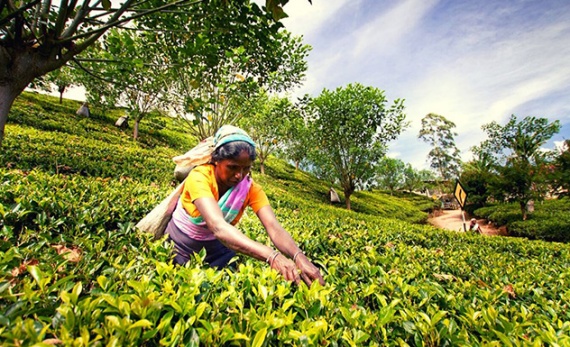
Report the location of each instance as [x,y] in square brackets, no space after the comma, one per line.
[230,172]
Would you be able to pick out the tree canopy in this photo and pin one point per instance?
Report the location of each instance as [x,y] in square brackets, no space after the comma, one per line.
[390,174]
[444,155]
[269,125]
[37,37]
[351,127]
[515,148]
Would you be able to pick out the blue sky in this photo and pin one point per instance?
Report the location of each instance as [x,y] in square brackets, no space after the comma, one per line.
[472,62]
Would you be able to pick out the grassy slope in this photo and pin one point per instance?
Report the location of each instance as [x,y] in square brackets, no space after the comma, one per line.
[82,185]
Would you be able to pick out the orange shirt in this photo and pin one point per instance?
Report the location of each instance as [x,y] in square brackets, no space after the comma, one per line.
[201,182]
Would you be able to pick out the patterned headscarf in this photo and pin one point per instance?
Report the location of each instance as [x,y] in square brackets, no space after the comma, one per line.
[202,153]
[230,133]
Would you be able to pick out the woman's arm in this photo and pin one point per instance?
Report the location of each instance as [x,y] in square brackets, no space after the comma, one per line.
[285,243]
[237,241]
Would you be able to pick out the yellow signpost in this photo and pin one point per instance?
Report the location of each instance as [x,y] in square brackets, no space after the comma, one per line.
[461,196]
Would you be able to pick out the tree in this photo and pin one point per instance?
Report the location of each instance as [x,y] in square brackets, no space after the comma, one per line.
[520,162]
[268,125]
[208,78]
[37,37]
[221,59]
[560,177]
[297,139]
[444,155]
[390,174]
[133,66]
[351,127]
[477,178]
[60,79]
[416,180]
[207,97]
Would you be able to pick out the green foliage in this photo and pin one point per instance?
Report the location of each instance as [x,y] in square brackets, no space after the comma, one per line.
[45,113]
[136,85]
[444,155]
[550,220]
[521,167]
[27,148]
[58,80]
[218,55]
[389,282]
[73,271]
[350,128]
[38,38]
[268,124]
[390,174]
[409,207]
[500,214]
[560,175]
[477,178]
[555,228]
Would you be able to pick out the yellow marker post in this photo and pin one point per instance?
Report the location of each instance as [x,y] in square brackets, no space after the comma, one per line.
[461,196]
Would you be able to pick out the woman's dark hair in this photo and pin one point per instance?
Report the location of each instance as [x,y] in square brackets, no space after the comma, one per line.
[232,150]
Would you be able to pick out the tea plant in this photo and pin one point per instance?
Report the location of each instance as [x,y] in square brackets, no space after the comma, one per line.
[550,220]
[75,272]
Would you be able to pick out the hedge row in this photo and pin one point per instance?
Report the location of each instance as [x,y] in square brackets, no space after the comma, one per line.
[550,220]
[80,275]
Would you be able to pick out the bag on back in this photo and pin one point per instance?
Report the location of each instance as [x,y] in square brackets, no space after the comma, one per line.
[198,155]
[155,221]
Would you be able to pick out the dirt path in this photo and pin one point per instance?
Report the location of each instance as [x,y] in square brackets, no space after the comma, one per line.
[452,220]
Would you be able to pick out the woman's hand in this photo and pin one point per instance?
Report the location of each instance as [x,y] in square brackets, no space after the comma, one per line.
[309,272]
[286,267]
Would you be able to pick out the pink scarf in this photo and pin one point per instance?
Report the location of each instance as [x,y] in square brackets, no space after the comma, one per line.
[230,204]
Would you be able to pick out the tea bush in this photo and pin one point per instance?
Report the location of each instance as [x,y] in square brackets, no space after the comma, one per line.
[27,148]
[388,282]
[550,220]
[44,112]
[75,272]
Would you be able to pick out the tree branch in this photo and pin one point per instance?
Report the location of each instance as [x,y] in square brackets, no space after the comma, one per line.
[12,15]
[79,16]
[93,35]
[61,18]
[43,17]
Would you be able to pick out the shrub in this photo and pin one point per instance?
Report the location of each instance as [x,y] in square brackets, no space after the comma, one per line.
[500,214]
[74,271]
[554,229]
[550,220]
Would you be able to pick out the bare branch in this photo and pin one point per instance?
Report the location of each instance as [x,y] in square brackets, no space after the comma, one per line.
[79,18]
[43,17]
[61,17]
[22,9]
[92,74]
[93,35]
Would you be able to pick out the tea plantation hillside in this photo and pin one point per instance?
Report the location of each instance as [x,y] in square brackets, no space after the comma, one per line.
[75,272]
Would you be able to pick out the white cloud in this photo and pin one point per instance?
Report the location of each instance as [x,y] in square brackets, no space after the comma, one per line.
[394,155]
[384,33]
[560,146]
[304,18]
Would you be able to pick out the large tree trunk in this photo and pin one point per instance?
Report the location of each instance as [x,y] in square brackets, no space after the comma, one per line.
[7,97]
[18,68]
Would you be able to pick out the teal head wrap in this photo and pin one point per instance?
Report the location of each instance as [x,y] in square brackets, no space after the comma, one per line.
[230,133]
